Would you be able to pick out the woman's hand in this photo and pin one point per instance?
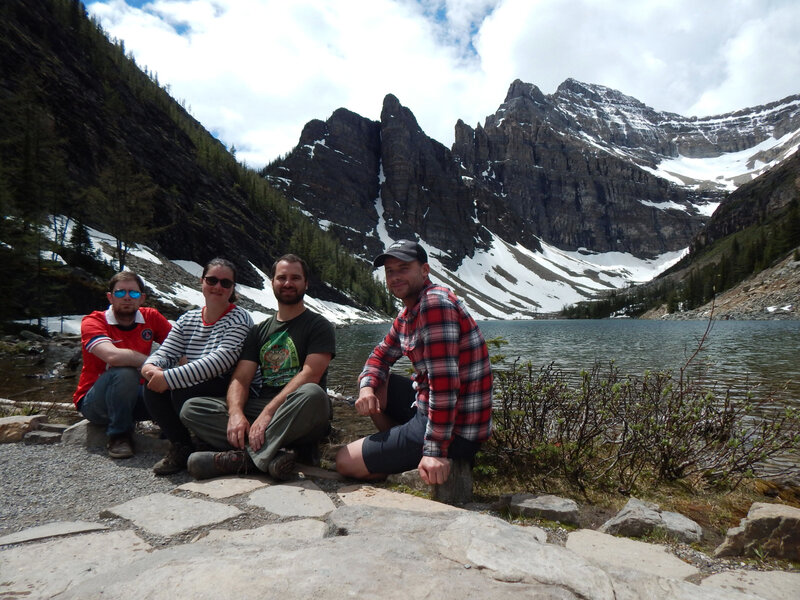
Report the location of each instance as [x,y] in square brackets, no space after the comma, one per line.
[155,378]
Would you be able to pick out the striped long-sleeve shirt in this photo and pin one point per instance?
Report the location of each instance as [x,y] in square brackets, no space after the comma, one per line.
[211,350]
[452,372]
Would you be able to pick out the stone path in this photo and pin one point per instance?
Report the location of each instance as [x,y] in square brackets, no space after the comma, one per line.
[319,536]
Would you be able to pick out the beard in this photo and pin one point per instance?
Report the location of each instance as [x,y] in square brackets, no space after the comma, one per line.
[125,312]
[290,298]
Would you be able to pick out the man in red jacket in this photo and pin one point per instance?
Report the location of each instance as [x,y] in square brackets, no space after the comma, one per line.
[115,343]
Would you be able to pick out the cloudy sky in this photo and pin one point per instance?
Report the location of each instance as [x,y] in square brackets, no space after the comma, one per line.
[255,71]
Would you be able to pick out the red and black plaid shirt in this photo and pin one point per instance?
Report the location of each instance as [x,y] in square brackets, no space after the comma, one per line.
[452,373]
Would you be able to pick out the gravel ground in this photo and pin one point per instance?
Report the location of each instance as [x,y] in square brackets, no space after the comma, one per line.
[42,484]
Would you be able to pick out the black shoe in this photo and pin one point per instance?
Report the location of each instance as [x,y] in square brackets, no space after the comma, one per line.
[174,461]
[120,446]
[205,465]
[307,454]
[281,467]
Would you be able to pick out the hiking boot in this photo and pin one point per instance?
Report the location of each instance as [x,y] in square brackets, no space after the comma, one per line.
[119,446]
[205,465]
[174,461]
[281,467]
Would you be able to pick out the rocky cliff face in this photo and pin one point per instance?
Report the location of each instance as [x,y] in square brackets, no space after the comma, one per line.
[367,180]
[570,192]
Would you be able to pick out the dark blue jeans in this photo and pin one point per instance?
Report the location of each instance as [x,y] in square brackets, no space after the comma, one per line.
[115,400]
[165,407]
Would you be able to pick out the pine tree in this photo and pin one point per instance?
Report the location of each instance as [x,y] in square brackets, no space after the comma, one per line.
[129,200]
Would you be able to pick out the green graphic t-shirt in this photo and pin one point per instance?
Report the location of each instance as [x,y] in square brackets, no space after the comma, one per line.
[278,359]
[280,348]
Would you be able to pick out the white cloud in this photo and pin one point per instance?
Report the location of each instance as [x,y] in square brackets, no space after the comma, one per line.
[255,71]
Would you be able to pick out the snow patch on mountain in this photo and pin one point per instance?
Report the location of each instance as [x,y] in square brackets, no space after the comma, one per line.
[509,281]
[729,170]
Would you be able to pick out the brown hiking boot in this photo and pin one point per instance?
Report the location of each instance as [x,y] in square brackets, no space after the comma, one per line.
[281,467]
[174,461]
[205,465]
[120,446]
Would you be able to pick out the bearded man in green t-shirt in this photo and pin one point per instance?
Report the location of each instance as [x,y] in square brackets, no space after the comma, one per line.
[285,359]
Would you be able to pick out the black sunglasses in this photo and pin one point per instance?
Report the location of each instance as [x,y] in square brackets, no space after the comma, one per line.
[212,281]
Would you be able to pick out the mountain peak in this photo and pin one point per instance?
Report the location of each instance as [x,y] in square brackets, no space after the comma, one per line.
[599,94]
[520,89]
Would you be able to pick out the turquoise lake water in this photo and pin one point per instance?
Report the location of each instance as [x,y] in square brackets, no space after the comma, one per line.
[735,352]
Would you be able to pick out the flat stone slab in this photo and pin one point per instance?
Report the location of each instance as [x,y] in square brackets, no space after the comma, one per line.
[294,499]
[50,530]
[303,529]
[166,515]
[460,554]
[53,427]
[630,584]
[625,553]
[225,487]
[366,495]
[40,438]
[45,569]
[545,506]
[770,585]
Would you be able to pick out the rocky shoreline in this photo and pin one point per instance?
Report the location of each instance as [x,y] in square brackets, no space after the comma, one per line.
[773,293]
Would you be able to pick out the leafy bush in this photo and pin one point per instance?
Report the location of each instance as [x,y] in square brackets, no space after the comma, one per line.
[616,431]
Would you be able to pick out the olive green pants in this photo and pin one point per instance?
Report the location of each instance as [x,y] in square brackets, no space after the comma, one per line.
[304,418]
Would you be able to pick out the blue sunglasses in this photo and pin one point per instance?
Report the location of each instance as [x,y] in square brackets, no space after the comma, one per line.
[121,293]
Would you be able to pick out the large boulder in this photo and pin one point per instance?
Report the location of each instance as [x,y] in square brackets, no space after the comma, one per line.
[13,429]
[638,518]
[771,530]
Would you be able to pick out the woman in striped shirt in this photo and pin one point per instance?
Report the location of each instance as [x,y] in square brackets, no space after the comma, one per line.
[196,359]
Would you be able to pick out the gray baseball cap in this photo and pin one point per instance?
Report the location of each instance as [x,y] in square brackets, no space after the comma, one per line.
[405,250]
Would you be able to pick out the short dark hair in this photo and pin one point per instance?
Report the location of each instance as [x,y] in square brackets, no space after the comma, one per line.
[222,262]
[125,276]
[290,258]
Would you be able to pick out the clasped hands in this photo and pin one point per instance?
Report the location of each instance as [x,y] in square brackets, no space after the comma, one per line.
[241,431]
[155,376]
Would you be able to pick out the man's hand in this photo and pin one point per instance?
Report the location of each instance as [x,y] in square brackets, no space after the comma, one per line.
[238,428]
[367,402]
[257,430]
[434,470]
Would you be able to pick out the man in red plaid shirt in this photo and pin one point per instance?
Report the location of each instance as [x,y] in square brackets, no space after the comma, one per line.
[446,411]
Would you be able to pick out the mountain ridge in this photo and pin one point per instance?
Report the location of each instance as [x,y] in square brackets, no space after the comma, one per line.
[539,173]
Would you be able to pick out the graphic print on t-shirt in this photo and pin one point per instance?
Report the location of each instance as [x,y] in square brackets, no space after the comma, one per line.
[279,359]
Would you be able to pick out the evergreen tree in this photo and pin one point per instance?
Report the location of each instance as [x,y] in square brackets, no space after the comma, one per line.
[128,197]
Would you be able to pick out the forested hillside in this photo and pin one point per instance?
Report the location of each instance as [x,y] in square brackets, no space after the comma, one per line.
[86,133]
[755,227]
